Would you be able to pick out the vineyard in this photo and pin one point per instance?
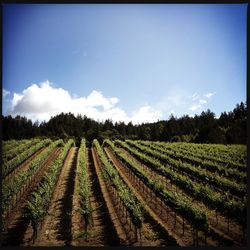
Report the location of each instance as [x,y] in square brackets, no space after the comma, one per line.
[123,193]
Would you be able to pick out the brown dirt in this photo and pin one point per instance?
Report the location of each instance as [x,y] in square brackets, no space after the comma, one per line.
[109,203]
[165,214]
[57,223]
[100,231]
[145,198]
[15,222]
[76,217]
[219,228]
[22,167]
[109,226]
[16,148]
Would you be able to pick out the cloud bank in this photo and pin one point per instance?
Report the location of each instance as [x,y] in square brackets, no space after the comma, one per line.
[41,101]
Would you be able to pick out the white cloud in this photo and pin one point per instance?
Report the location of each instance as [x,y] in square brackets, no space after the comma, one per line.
[208,95]
[146,114]
[197,103]
[195,107]
[195,96]
[5,93]
[97,99]
[41,101]
[202,101]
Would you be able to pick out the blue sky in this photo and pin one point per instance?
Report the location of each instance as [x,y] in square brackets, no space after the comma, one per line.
[124,62]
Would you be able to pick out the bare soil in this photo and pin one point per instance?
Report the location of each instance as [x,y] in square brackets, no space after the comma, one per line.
[22,167]
[55,230]
[100,231]
[109,203]
[148,199]
[176,226]
[64,226]
[15,223]
[224,231]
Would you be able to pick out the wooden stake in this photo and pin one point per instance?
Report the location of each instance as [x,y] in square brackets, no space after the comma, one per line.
[193,235]
[216,214]
[197,237]
[174,217]
[205,238]
[183,226]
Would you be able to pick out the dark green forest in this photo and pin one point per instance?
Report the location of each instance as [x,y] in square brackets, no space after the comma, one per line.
[229,128]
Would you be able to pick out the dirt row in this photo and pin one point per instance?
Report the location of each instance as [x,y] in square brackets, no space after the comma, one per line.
[151,233]
[221,226]
[108,226]
[195,178]
[55,230]
[177,226]
[15,223]
[100,231]
[161,213]
[109,203]
[219,235]
[22,167]
[64,226]
[167,238]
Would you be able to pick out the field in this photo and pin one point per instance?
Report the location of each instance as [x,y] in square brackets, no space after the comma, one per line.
[129,193]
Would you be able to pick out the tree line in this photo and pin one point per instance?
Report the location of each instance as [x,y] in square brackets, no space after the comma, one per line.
[229,128]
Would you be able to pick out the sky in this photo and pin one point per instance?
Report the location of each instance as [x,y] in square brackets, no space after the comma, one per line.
[124,62]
